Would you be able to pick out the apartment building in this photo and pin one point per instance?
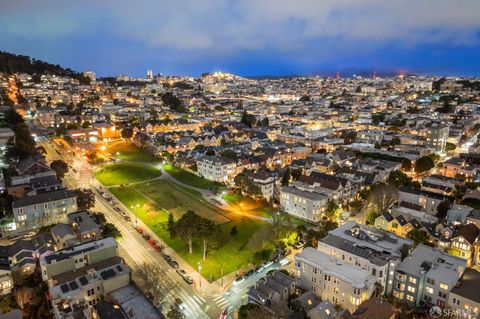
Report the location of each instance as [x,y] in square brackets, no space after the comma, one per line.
[333,279]
[437,137]
[44,209]
[375,251]
[427,275]
[76,257]
[215,168]
[303,204]
[73,292]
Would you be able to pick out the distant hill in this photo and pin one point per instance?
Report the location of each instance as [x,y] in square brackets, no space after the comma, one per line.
[12,63]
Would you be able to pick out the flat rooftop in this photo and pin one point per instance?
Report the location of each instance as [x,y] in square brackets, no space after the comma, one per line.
[329,265]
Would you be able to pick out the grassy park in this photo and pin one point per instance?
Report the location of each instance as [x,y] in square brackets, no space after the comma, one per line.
[152,213]
[125,173]
[128,152]
[152,201]
[190,178]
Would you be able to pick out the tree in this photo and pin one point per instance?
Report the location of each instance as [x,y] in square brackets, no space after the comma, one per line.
[210,234]
[398,178]
[395,141]
[248,119]
[60,168]
[296,173]
[424,164]
[450,147]
[170,223]
[187,228]
[382,197]
[109,230]
[442,209]
[286,177]
[264,122]
[86,124]
[349,137]
[230,154]
[234,231]
[253,311]
[260,237]
[279,221]
[417,236]
[175,312]
[325,226]
[155,282]
[85,198]
[332,211]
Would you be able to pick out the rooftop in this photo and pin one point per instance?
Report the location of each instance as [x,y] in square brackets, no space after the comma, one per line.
[329,265]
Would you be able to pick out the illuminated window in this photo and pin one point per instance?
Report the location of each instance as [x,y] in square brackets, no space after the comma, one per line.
[443,286]
[429,290]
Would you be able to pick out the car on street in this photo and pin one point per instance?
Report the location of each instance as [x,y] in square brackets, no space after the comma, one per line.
[299,245]
[146,236]
[238,280]
[173,263]
[139,230]
[185,276]
[127,218]
[249,273]
[167,257]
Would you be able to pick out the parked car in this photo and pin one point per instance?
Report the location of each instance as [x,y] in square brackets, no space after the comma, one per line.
[127,218]
[185,276]
[299,245]
[167,258]
[249,273]
[139,230]
[173,263]
[146,236]
[238,280]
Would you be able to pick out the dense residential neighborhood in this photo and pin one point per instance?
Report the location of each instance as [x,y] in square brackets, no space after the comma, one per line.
[222,196]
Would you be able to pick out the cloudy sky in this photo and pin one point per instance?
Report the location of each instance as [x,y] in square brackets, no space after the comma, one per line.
[247,37]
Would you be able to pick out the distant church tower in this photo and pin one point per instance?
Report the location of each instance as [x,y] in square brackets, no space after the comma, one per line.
[149,74]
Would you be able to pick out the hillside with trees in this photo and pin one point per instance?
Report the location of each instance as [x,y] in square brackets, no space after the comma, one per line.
[13,63]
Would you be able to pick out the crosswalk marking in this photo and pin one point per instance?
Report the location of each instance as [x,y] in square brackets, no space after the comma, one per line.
[217,298]
[191,304]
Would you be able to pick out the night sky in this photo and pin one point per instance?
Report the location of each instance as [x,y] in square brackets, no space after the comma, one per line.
[247,37]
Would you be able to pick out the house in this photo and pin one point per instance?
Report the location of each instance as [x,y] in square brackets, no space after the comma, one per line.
[464,297]
[427,275]
[463,242]
[43,209]
[307,205]
[428,201]
[6,280]
[85,228]
[273,293]
[73,292]
[377,308]
[216,169]
[326,310]
[63,236]
[333,279]
[458,214]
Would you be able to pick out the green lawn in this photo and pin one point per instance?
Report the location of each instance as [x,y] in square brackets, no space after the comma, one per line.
[177,200]
[129,152]
[231,256]
[190,178]
[125,173]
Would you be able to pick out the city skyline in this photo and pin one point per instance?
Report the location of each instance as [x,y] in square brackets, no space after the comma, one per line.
[248,38]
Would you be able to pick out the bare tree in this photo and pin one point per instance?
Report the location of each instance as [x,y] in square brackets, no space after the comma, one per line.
[279,222]
[155,282]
